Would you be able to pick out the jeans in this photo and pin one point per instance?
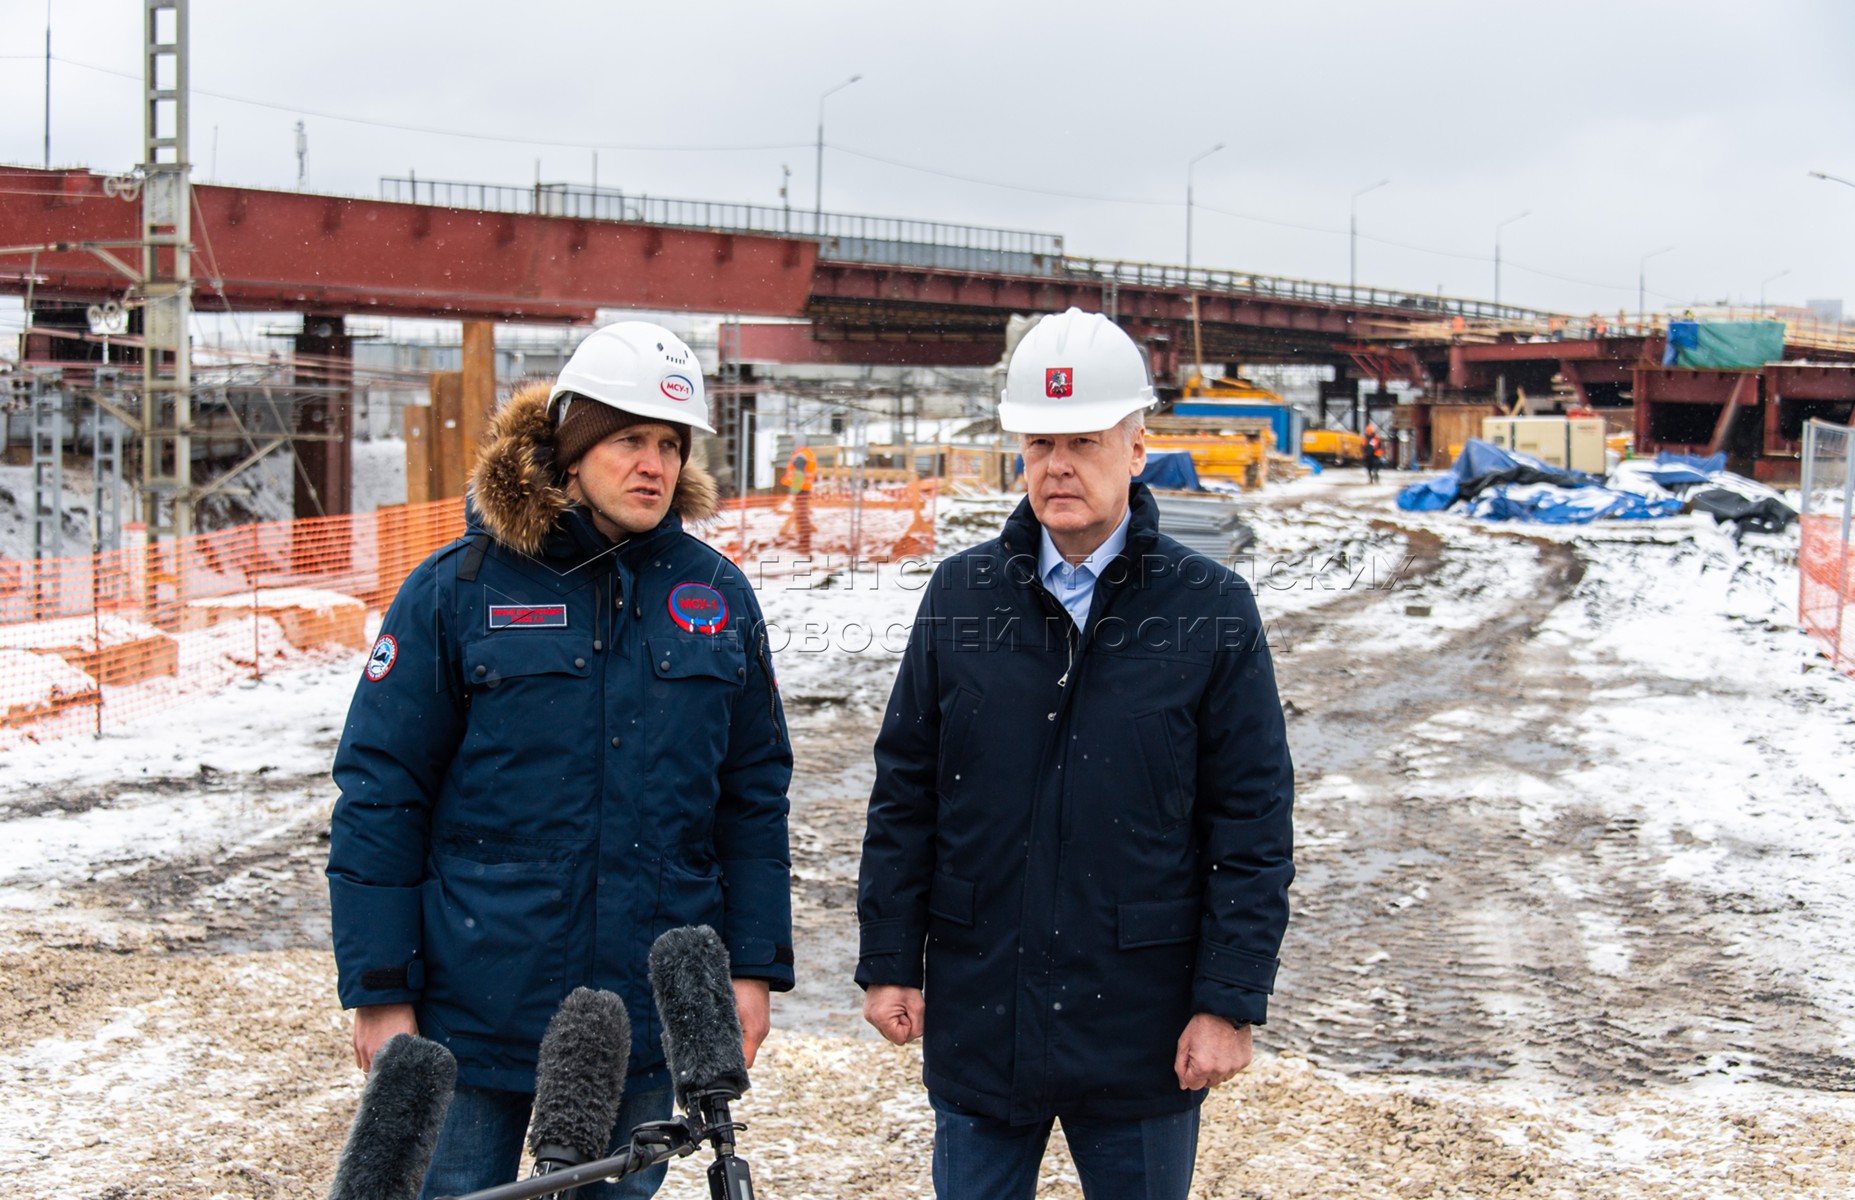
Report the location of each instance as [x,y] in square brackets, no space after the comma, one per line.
[481,1144]
[979,1158]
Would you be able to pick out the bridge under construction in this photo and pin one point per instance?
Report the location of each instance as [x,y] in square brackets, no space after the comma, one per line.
[112,267]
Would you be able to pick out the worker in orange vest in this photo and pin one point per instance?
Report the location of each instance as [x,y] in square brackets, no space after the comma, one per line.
[1374,452]
[801,472]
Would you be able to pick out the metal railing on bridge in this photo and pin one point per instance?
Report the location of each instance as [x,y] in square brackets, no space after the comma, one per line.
[1116,273]
[904,242]
[842,237]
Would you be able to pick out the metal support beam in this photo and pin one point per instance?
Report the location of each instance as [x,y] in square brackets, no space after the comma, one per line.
[106,488]
[325,464]
[47,464]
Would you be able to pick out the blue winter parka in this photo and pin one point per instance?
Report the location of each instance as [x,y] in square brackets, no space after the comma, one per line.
[1078,839]
[558,750]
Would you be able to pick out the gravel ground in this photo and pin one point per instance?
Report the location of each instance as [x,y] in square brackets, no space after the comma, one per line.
[1497,982]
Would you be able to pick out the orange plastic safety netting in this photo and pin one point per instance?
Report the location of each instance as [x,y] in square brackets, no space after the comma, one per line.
[96,642]
[1826,589]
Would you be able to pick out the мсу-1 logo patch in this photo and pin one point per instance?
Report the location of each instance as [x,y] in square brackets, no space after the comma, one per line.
[385,654]
[528,616]
[698,607]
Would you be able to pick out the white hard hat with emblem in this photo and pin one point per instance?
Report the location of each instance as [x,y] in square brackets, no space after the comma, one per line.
[639,368]
[1073,372]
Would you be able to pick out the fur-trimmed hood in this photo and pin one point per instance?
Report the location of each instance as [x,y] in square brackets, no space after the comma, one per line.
[520,496]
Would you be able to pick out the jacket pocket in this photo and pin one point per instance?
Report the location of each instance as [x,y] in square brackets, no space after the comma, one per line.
[951,899]
[1158,922]
[956,721]
[491,661]
[533,715]
[494,934]
[713,657]
[1165,783]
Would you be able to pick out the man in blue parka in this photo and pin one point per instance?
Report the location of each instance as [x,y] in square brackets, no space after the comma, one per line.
[1076,863]
[566,741]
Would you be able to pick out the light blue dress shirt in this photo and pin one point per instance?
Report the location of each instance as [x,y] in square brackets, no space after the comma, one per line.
[1075,585]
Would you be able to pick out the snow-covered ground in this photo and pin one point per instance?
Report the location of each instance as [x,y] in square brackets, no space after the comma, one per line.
[1574,817]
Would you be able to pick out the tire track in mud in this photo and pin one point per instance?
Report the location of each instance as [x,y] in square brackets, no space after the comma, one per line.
[1441,924]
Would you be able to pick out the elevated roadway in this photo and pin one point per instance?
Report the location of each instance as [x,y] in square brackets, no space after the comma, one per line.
[873,290]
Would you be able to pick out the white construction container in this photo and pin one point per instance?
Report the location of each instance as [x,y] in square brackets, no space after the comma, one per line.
[1575,443]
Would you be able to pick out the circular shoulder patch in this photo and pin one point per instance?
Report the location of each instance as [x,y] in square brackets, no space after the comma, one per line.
[698,607]
[385,654]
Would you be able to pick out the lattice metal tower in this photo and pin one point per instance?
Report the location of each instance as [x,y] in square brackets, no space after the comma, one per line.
[167,275]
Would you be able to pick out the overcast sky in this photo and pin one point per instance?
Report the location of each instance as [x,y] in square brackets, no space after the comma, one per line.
[1619,127]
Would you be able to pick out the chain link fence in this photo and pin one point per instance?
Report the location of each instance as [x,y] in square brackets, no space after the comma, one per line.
[1826,557]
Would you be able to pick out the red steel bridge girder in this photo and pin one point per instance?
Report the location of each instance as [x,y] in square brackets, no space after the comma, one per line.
[286,251]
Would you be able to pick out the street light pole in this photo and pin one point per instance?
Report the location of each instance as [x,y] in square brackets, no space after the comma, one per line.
[1642,283]
[1499,225]
[1832,178]
[1352,237]
[818,185]
[1188,207]
[1761,288]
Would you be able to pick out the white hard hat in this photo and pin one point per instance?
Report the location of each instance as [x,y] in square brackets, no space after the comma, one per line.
[1074,372]
[639,368]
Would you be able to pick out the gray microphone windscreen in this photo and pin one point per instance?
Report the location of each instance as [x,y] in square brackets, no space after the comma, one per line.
[695,998]
[580,1077]
[396,1126]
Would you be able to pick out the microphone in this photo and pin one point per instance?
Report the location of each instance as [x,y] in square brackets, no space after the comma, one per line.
[702,1043]
[396,1126]
[579,1080]
[701,1028]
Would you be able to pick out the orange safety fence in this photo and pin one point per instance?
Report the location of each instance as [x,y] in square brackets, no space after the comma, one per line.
[1825,559]
[1826,587]
[95,642]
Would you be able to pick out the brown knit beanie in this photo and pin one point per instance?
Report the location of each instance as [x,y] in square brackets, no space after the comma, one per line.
[589,422]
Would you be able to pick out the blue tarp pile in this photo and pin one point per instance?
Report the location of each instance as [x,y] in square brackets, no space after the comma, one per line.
[1171,469]
[1705,485]
[1500,485]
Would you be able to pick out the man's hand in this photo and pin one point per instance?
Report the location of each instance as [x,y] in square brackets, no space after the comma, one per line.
[754,1001]
[374,1024]
[896,1012]
[1211,1050]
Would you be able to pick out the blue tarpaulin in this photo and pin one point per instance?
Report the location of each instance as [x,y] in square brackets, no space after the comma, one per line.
[1172,469]
[1500,485]
[1483,465]
[1548,505]
[1680,470]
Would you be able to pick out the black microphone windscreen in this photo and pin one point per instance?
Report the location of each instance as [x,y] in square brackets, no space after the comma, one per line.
[396,1126]
[580,1076]
[701,1028]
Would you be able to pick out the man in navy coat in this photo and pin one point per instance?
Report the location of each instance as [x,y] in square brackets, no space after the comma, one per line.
[1075,869]
[566,741]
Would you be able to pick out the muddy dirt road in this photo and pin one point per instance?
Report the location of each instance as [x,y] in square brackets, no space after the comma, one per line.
[1500,981]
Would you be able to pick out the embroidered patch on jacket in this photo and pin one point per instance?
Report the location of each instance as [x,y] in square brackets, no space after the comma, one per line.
[528,616]
[698,607]
[385,654]
[1058,382]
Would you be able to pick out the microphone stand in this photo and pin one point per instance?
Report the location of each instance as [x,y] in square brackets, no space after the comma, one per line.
[728,1175]
[651,1143]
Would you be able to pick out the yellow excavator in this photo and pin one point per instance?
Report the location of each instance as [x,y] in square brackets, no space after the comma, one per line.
[1333,447]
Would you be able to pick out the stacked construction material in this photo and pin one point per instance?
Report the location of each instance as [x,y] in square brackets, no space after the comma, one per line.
[1205,522]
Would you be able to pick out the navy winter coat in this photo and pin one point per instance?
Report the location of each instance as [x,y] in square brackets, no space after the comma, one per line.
[1077,842]
[556,753]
